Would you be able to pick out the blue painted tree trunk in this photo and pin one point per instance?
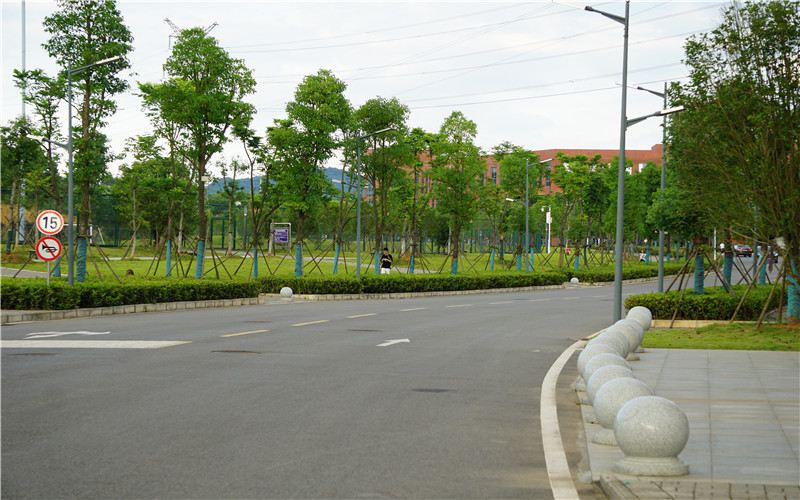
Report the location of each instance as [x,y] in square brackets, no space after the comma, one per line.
[577,262]
[57,265]
[519,262]
[647,256]
[201,258]
[530,259]
[80,260]
[411,265]
[169,259]
[255,261]
[762,271]
[699,275]
[491,262]
[336,260]
[298,260]
[454,267]
[793,295]
[727,268]
[377,262]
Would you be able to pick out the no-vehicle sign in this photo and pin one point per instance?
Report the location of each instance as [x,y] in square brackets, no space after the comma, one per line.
[48,248]
[50,222]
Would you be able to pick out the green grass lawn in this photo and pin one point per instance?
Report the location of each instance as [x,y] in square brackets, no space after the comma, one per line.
[237,265]
[734,336]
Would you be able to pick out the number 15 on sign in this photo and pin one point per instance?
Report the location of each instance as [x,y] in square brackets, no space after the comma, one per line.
[49,222]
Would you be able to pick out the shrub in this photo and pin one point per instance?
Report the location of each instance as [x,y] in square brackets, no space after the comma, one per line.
[35,294]
[716,303]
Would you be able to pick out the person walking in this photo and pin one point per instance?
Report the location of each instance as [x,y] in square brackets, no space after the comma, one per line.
[386,261]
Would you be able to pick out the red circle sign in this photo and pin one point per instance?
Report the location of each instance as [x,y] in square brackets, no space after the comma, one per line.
[50,222]
[48,248]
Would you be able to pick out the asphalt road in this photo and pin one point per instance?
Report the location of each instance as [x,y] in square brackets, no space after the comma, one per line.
[295,400]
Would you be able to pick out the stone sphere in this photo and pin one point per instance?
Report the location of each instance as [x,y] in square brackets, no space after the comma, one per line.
[641,315]
[651,431]
[286,293]
[632,330]
[600,361]
[613,395]
[621,337]
[601,376]
[609,341]
[574,281]
[591,351]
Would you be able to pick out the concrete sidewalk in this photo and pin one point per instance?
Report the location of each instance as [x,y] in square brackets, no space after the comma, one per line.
[744,419]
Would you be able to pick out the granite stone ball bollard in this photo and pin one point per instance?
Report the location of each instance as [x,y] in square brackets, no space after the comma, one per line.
[621,337]
[286,293]
[609,341]
[601,376]
[588,353]
[574,280]
[641,315]
[633,332]
[651,431]
[600,361]
[609,399]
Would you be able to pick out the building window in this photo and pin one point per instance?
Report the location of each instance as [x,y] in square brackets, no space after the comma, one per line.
[494,175]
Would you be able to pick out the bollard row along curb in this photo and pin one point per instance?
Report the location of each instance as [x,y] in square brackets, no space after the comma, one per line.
[651,431]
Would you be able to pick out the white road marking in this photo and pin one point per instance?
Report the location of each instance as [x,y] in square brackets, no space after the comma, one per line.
[414,309]
[570,298]
[362,315]
[312,322]
[393,342]
[244,333]
[461,305]
[45,335]
[89,344]
[498,303]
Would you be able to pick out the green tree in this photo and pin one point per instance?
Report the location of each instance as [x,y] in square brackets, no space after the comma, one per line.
[20,157]
[456,173]
[303,142]
[203,100]
[83,32]
[737,142]
[382,167]
[44,94]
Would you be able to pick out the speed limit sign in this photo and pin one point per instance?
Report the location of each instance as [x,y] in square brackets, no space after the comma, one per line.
[50,222]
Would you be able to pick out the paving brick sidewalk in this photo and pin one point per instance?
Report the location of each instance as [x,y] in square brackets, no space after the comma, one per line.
[744,426]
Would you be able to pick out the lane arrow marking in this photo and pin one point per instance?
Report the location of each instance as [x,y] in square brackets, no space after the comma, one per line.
[393,342]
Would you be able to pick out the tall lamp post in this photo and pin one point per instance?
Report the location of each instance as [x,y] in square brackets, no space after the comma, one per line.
[358,198]
[70,187]
[662,95]
[527,208]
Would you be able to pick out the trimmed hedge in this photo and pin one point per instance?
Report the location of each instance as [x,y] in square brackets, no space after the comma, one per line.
[34,294]
[715,303]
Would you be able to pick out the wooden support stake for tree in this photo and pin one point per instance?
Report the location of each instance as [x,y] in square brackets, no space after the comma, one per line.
[96,267]
[725,283]
[781,272]
[751,285]
[106,260]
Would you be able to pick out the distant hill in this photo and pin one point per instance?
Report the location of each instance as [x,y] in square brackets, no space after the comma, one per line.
[216,186]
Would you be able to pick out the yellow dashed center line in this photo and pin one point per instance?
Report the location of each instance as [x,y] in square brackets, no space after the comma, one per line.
[414,309]
[498,303]
[537,300]
[461,305]
[312,322]
[362,315]
[244,333]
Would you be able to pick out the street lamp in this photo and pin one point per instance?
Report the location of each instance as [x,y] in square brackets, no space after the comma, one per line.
[527,206]
[548,220]
[358,198]
[70,187]
[662,95]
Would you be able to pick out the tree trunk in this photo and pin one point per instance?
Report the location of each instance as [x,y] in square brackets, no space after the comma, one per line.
[201,219]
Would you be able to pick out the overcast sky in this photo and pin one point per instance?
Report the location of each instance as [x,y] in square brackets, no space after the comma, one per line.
[539,74]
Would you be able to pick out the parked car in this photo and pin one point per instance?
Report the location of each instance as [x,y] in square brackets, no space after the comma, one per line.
[743,250]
